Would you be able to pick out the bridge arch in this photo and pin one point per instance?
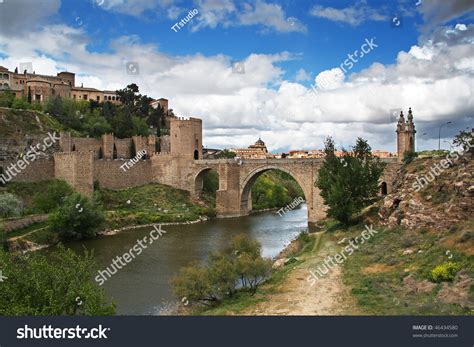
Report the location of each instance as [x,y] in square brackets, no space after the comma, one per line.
[199,179]
[248,182]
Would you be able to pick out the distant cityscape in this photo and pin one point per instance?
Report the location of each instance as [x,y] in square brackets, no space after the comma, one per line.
[259,151]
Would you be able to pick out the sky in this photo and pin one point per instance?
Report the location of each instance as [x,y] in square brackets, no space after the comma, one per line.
[291,72]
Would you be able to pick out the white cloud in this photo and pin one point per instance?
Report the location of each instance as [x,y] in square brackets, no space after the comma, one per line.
[353,15]
[435,78]
[302,75]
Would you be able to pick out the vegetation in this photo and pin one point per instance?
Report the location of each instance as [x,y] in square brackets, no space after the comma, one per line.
[152,203]
[52,197]
[350,183]
[77,217]
[239,268]
[274,189]
[409,156]
[445,272]
[10,205]
[466,141]
[58,283]
[226,154]
[134,116]
[383,277]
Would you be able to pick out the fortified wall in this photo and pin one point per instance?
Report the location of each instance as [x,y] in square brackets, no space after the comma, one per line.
[82,162]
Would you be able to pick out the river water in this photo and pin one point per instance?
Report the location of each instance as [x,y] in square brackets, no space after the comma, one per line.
[142,286]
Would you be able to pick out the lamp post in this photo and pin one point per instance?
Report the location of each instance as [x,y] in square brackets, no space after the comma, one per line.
[439,134]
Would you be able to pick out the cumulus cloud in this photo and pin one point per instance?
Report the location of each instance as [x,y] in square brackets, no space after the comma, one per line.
[353,15]
[440,11]
[17,17]
[434,77]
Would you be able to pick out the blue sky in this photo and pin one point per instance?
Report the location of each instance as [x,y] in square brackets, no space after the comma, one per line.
[293,93]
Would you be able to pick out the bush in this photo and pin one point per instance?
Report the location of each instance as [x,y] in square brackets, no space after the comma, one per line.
[49,284]
[240,266]
[53,197]
[409,156]
[445,272]
[21,104]
[78,217]
[6,98]
[10,205]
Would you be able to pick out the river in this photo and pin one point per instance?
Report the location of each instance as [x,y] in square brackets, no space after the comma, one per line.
[142,286]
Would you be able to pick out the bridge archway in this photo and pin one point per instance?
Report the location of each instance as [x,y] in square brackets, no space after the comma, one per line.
[248,182]
[199,180]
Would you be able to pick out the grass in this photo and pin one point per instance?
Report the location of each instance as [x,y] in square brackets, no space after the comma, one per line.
[382,290]
[152,203]
[28,121]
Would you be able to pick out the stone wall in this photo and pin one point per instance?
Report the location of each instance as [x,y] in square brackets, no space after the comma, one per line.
[123,148]
[76,168]
[109,174]
[38,170]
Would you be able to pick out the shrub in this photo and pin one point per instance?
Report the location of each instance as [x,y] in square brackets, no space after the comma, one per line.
[21,104]
[240,266]
[52,198]
[409,156]
[10,205]
[78,217]
[445,272]
[49,284]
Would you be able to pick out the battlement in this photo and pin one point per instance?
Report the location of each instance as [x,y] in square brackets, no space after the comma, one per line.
[186,119]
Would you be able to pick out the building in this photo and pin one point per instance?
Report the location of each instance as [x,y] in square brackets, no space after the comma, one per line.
[255,151]
[405,135]
[40,88]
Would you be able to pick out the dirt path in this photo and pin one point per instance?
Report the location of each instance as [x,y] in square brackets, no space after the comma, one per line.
[295,296]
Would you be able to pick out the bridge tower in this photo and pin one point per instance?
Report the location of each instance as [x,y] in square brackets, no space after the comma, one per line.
[405,135]
[186,137]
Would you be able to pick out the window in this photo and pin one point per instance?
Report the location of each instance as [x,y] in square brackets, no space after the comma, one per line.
[37,96]
[85,97]
[98,98]
[74,96]
[113,98]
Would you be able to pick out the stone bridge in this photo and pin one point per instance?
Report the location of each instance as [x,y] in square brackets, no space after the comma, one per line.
[236,179]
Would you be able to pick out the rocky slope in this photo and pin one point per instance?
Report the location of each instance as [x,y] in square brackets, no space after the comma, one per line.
[440,204]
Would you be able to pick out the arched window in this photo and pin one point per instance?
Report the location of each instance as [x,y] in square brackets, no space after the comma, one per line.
[196,154]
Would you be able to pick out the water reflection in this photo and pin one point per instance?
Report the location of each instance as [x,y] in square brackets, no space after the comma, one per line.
[142,286]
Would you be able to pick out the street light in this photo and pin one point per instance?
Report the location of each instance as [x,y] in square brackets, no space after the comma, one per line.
[439,134]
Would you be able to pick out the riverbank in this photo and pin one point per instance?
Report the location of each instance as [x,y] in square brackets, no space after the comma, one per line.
[287,291]
[390,273]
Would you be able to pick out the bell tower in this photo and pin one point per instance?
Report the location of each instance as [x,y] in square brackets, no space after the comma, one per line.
[405,135]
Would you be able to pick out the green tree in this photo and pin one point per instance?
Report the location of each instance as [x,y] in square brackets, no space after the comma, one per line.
[465,139]
[240,267]
[55,283]
[21,104]
[57,191]
[77,217]
[6,98]
[348,183]
[140,127]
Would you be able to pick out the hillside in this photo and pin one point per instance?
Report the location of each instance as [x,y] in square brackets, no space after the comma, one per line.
[419,262]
